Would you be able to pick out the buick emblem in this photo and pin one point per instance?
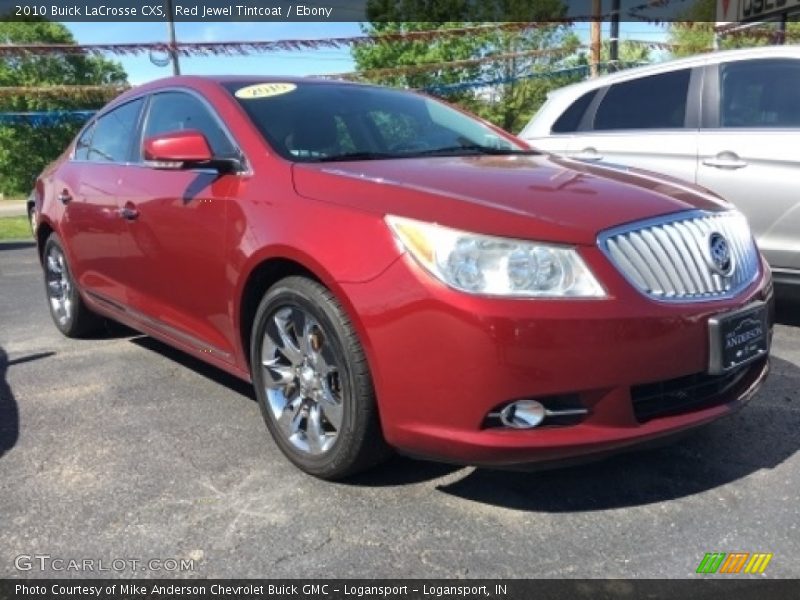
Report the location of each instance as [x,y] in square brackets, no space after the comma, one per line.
[720,254]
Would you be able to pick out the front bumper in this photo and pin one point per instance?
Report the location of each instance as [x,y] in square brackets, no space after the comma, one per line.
[443,360]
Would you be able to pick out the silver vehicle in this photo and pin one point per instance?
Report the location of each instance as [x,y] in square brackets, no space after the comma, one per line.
[728,121]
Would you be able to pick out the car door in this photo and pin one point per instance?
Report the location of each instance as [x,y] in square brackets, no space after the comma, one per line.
[648,122]
[174,240]
[748,150]
[87,186]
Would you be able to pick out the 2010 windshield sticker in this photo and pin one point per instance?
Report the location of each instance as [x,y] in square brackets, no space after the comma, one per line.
[264,90]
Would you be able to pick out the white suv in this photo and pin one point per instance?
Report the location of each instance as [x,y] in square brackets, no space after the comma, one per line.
[728,121]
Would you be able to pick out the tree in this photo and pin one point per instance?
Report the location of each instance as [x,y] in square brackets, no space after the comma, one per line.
[629,54]
[26,149]
[526,77]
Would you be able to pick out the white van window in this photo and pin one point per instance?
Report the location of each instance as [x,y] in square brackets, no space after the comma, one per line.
[760,93]
[655,102]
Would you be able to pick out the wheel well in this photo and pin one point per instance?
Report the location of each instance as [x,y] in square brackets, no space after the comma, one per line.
[43,231]
[263,277]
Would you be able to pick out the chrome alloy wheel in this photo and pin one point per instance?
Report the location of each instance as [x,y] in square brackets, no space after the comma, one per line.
[302,380]
[59,286]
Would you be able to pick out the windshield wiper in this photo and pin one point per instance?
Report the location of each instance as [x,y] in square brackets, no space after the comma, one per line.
[476,148]
[356,156]
[447,150]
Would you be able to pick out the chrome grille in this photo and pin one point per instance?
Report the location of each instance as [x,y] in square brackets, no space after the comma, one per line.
[671,258]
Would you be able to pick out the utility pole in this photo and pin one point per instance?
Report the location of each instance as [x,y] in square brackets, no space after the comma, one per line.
[613,48]
[173,49]
[782,28]
[594,61]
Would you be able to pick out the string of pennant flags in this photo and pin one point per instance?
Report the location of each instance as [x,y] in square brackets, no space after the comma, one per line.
[418,68]
[242,48]
[565,72]
[49,118]
[60,91]
[453,64]
[110,91]
[760,31]
[45,118]
[107,92]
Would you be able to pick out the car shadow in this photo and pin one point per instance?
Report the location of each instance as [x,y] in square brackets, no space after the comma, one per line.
[787,310]
[17,245]
[9,413]
[398,470]
[401,470]
[712,456]
[709,457]
[213,373]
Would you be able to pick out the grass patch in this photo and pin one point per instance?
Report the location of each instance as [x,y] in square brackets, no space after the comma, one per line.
[14,228]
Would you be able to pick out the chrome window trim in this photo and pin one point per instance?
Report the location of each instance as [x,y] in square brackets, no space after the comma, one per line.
[677,217]
[146,96]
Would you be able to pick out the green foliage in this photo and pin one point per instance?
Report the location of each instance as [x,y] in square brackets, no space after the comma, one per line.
[26,150]
[14,228]
[509,105]
[627,53]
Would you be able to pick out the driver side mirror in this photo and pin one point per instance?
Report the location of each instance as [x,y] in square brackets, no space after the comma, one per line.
[185,149]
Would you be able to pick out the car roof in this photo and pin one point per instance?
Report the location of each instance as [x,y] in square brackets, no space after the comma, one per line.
[790,51]
[258,79]
[201,82]
[559,99]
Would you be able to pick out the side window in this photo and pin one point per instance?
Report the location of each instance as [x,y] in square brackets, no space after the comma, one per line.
[83,143]
[760,93]
[113,133]
[654,102]
[570,119]
[176,111]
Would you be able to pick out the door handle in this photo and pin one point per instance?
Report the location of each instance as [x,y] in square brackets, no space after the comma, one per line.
[129,212]
[64,197]
[726,160]
[588,154]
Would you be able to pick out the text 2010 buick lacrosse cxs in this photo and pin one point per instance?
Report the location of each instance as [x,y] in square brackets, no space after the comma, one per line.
[391,272]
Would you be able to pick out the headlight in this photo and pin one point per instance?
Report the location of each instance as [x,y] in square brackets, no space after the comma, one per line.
[481,264]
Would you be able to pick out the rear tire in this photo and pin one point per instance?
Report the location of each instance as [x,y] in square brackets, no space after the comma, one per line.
[69,312]
[313,382]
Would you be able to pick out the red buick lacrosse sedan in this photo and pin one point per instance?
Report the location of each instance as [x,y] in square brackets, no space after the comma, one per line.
[392,273]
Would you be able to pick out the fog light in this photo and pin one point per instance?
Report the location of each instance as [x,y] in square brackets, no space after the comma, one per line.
[523,414]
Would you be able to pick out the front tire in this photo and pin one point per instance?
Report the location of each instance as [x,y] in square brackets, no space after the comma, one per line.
[313,382]
[70,314]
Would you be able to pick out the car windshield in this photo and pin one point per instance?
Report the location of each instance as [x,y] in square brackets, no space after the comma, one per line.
[319,121]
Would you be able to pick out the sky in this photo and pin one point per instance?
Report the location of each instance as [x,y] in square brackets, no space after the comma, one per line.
[141,70]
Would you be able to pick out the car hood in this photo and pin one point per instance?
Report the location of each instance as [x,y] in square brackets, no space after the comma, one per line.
[538,197]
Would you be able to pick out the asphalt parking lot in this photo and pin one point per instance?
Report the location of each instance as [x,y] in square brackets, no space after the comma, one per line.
[122,448]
